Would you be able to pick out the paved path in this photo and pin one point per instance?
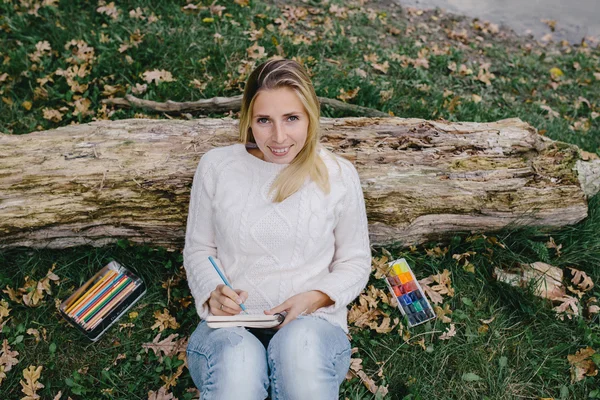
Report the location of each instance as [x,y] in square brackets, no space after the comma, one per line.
[575,19]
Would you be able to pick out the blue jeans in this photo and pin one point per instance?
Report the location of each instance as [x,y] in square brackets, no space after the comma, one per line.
[306,359]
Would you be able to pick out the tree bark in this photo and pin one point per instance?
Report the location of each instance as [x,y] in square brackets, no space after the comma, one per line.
[422,180]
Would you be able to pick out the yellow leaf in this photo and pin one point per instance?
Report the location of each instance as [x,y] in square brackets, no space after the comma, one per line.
[26,105]
[7,100]
[556,73]
[208,19]
[164,320]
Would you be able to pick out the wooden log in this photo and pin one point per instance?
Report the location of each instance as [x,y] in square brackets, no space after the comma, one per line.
[107,180]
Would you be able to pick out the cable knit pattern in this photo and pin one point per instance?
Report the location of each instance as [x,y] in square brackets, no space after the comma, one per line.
[310,241]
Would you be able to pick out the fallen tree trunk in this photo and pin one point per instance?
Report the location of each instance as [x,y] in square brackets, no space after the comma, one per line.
[108,180]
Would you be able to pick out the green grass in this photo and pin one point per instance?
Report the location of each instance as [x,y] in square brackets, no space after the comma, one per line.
[524,352]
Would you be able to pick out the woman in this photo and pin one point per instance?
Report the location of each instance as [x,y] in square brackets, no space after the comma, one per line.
[285,220]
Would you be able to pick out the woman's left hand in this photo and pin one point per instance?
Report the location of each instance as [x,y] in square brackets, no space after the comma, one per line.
[302,303]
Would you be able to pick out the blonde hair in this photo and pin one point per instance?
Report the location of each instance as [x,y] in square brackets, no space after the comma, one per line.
[277,73]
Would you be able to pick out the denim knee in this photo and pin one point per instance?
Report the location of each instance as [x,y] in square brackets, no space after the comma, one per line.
[227,363]
[308,359]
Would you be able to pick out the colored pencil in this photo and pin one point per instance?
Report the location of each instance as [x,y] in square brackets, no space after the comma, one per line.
[224,279]
[91,291]
[98,298]
[105,286]
[109,307]
[108,298]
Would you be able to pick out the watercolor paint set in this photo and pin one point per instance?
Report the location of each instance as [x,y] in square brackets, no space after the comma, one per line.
[102,300]
[411,299]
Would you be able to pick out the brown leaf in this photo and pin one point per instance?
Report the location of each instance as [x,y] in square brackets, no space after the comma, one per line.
[434,296]
[161,394]
[552,245]
[381,67]
[449,333]
[582,365]
[569,307]
[109,9]
[256,52]
[31,384]
[442,313]
[52,115]
[166,347]
[380,266]
[582,280]
[8,358]
[158,76]
[164,320]
[348,94]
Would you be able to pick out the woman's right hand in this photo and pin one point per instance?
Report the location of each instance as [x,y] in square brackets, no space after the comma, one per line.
[225,301]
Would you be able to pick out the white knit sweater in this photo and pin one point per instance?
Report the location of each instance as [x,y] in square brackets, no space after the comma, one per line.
[310,241]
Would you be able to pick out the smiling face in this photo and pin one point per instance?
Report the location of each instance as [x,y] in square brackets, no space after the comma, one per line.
[279,125]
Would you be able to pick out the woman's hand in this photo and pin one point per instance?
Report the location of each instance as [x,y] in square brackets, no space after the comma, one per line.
[225,301]
[302,303]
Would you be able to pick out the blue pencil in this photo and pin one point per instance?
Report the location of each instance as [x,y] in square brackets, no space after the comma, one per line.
[212,261]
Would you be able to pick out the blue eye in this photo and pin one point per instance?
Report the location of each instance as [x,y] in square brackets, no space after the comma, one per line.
[293,116]
[260,120]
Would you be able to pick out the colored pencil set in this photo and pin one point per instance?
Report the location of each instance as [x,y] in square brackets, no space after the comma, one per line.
[101,301]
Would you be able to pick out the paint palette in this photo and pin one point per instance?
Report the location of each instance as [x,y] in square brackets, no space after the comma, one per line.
[411,299]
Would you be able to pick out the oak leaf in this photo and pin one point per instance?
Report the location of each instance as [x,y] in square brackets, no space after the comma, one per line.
[164,320]
[109,9]
[569,307]
[31,385]
[582,365]
[582,280]
[161,395]
[449,333]
[166,347]
[158,76]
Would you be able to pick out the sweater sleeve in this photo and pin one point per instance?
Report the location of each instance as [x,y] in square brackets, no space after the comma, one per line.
[200,238]
[351,264]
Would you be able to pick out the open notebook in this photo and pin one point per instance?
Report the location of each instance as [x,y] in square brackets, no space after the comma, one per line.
[248,321]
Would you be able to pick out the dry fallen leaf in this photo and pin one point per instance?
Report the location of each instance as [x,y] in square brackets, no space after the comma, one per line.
[31,385]
[582,280]
[108,9]
[164,320]
[442,313]
[569,307]
[52,115]
[556,73]
[348,94]
[381,67]
[7,359]
[158,76]
[162,394]
[592,307]
[582,365]
[356,371]
[166,347]
[380,266]
[450,332]
[552,245]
